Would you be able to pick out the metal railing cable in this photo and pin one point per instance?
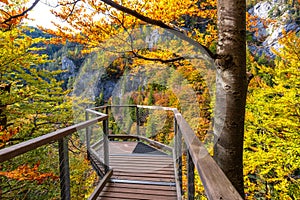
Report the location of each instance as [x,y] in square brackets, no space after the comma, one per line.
[60,136]
[104,141]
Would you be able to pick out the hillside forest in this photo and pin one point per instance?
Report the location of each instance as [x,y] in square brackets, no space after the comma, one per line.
[100,55]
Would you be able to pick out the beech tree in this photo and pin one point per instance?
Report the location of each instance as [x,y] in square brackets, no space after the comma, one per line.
[98,20]
[231,90]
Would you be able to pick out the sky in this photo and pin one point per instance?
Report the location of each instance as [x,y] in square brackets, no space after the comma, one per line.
[42,15]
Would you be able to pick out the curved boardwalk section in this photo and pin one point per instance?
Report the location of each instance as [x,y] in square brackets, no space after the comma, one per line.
[139,172]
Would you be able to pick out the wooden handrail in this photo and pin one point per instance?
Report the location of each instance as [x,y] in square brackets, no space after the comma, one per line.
[23,147]
[215,182]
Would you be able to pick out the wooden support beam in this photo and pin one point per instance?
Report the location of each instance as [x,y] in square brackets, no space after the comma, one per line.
[64,169]
[190,177]
[87,132]
[137,120]
[106,144]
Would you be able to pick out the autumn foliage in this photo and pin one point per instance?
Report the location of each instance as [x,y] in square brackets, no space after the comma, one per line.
[33,104]
[12,13]
[31,173]
[272,125]
[7,134]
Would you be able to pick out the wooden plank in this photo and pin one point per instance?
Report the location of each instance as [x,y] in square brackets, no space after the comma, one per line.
[168,172]
[138,137]
[215,182]
[142,163]
[109,198]
[121,147]
[145,190]
[136,196]
[144,169]
[144,178]
[150,174]
[23,147]
[162,162]
[141,186]
[140,175]
[143,157]
[138,164]
[112,198]
[153,159]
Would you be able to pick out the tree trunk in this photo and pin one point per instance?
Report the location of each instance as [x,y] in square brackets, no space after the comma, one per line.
[231,90]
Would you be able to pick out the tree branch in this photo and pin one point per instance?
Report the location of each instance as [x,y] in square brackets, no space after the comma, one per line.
[250,76]
[21,14]
[157,59]
[73,7]
[160,24]
[136,14]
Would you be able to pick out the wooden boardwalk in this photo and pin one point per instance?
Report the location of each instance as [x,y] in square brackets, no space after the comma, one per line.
[135,170]
[139,172]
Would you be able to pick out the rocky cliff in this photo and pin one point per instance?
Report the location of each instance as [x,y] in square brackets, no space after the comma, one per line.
[274,17]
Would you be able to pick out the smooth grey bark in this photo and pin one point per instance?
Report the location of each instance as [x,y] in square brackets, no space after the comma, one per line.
[231,89]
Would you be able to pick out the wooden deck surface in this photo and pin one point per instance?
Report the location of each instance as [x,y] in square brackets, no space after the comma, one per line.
[139,175]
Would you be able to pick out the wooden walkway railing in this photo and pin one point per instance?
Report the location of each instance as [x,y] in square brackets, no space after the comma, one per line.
[139,172]
[216,184]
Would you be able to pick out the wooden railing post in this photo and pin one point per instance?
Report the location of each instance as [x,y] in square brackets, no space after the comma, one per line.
[107,112]
[105,144]
[178,151]
[175,138]
[137,120]
[190,176]
[64,169]
[87,132]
